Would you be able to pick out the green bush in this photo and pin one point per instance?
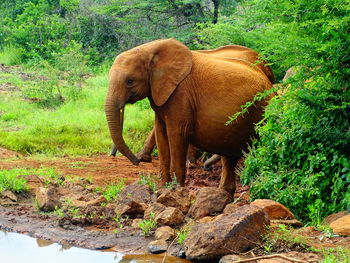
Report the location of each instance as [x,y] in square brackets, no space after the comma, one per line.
[11,55]
[302,156]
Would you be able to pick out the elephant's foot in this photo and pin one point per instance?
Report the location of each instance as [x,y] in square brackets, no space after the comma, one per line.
[144,157]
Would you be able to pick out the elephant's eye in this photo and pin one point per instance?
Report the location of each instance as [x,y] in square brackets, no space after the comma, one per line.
[129,82]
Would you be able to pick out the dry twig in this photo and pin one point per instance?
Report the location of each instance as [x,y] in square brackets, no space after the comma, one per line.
[271,256]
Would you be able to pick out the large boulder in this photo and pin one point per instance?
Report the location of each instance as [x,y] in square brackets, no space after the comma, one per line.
[233,233]
[209,201]
[178,198]
[47,199]
[170,216]
[273,209]
[341,226]
[332,217]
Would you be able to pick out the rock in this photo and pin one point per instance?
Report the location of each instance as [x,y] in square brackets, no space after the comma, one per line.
[165,233]
[138,192]
[331,218]
[273,209]
[206,219]
[95,202]
[47,199]
[154,208]
[230,259]
[231,208]
[135,223]
[8,194]
[341,226]
[133,200]
[157,246]
[178,198]
[209,200]
[236,232]
[170,216]
[130,207]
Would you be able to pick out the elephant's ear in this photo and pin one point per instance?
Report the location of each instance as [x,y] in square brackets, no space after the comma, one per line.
[171,62]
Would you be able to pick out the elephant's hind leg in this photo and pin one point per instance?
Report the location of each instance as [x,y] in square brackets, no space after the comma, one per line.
[228,176]
[212,160]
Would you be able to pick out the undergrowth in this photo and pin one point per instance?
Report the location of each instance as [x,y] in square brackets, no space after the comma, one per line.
[11,180]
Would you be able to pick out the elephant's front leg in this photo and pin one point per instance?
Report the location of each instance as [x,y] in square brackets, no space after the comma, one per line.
[178,143]
[163,150]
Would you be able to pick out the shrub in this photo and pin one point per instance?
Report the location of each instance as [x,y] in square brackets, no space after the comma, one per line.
[302,156]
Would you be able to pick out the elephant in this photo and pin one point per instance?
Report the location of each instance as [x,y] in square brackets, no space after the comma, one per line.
[229,51]
[192,94]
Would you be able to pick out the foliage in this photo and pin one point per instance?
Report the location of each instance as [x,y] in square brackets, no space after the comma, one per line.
[182,234]
[112,191]
[302,156]
[335,255]
[10,55]
[11,180]
[151,180]
[148,225]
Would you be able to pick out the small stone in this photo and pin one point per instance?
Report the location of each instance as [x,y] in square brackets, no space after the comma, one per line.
[138,192]
[130,207]
[47,199]
[170,216]
[230,259]
[209,201]
[178,198]
[341,226]
[10,195]
[273,209]
[154,208]
[165,233]
[157,246]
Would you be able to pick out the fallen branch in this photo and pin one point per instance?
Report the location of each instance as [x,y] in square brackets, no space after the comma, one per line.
[271,256]
[165,255]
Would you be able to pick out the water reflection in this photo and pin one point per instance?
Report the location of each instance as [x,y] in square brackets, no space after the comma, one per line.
[17,248]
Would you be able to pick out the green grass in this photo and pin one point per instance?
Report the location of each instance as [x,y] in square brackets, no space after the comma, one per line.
[10,180]
[10,55]
[335,255]
[77,128]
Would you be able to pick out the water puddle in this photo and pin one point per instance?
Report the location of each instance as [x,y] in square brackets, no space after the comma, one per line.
[18,248]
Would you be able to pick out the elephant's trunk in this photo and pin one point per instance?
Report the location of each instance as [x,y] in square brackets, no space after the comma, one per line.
[113,115]
[114,148]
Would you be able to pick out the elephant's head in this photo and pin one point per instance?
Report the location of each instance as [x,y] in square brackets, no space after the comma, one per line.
[151,70]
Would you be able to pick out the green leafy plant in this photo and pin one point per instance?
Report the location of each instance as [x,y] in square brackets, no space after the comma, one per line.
[112,191]
[172,183]
[148,225]
[152,180]
[182,234]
